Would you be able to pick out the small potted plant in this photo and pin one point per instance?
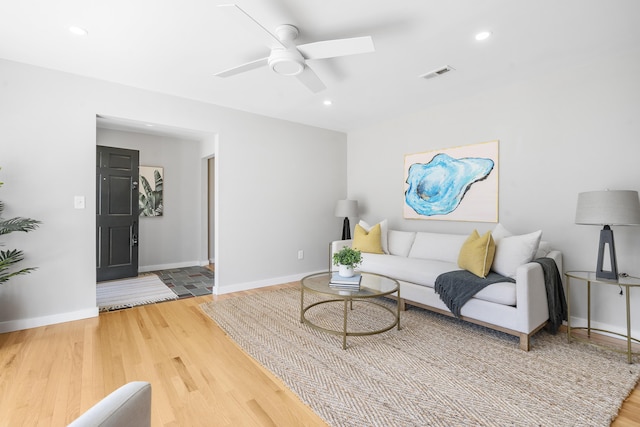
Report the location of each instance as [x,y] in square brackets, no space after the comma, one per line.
[347,259]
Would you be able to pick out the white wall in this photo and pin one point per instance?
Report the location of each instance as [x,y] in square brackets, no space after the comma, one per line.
[277,183]
[573,130]
[171,240]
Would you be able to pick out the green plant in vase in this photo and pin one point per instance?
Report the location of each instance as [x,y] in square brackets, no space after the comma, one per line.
[347,259]
[11,257]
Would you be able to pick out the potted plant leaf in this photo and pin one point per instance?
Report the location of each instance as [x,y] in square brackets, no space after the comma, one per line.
[11,257]
[347,259]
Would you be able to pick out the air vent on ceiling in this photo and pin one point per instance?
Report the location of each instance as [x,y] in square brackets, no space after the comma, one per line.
[437,72]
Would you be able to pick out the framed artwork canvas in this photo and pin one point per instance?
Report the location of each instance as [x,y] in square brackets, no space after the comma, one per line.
[454,184]
[151,191]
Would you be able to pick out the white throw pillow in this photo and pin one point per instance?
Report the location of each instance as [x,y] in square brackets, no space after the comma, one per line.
[514,251]
[500,232]
[543,249]
[400,242]
[384,230]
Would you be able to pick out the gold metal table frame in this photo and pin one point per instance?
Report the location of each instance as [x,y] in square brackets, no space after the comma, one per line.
[590,277]
[372,286]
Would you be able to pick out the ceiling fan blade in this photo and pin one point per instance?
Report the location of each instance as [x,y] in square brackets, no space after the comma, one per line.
[252,26]
[242,68]
[311,80]
[338,47]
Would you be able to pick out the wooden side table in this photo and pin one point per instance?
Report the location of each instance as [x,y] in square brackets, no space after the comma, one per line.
[589,277]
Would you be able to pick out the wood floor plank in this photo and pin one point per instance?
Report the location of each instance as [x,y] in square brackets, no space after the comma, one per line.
[199,377]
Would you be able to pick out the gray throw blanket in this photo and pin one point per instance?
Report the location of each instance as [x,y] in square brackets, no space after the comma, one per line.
[457,287]
[555,294]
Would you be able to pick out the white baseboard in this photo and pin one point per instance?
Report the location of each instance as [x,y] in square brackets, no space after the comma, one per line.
[147,268]
[219,290]
[34,322]
[579,322]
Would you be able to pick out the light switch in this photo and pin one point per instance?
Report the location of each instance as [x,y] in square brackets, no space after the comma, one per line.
[78,202]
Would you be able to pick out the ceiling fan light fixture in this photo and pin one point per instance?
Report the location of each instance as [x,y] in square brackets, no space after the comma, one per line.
[286,62]
[288,58]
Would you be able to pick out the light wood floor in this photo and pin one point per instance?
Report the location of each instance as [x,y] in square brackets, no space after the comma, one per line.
[50,375]
[199,377]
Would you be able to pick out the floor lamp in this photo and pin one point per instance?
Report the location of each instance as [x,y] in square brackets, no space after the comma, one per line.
[346,209]
[607,208]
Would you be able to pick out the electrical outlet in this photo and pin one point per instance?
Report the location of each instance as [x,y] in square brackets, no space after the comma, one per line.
[300,254]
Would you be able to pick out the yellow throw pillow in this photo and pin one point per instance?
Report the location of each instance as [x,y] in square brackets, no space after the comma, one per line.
[370,242]
[477,253]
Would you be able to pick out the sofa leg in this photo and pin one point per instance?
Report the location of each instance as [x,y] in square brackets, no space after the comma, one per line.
[524,342]
[403,305]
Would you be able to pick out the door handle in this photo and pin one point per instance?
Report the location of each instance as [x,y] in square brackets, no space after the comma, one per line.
[134,237]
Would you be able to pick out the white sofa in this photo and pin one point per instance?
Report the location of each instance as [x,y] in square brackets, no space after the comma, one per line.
[416,259]
[128,406]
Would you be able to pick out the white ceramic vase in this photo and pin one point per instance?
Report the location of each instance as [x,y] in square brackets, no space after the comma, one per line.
[345,270]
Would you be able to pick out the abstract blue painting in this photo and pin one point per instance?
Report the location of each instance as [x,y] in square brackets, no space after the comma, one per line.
[443,184]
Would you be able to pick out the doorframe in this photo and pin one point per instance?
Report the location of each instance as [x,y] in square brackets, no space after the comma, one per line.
[210,150]
[209,141]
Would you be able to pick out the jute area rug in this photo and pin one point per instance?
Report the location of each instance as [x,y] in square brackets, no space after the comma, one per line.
[117,294]
[435,371]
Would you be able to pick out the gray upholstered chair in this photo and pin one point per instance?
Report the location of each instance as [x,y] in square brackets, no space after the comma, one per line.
[128,406]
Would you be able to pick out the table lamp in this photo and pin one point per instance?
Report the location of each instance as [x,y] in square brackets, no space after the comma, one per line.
[346,208]
[607,208]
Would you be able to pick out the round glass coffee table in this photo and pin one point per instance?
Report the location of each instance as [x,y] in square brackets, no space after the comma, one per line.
[372,286]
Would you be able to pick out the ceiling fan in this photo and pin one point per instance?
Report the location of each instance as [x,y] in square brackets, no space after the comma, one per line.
[287,58]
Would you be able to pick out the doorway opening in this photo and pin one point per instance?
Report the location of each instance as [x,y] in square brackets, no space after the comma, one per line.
[184,235]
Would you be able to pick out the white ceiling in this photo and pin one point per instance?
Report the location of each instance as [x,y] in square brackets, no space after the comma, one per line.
[176,46]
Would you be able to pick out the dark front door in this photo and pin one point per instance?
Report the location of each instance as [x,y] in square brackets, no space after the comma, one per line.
[117,213]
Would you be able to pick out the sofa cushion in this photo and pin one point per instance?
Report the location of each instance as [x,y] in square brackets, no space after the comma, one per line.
[419,271]
[415,270]
[501,293]
[424,272]
[476,254]
[437,246]
[514,251]
[384,232]
[400,242]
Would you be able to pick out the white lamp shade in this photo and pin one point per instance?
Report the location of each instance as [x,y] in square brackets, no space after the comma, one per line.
[347,208]
[615,207]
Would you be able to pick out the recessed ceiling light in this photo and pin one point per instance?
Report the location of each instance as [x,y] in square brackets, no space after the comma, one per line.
[327,102]
[78,31]
[483,35]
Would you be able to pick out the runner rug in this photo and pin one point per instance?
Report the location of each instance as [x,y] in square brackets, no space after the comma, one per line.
[117,294]
[435,371]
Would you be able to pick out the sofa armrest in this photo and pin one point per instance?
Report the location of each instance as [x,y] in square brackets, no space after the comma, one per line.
[557,257]
[334,247]
[531,293]
[128,406]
